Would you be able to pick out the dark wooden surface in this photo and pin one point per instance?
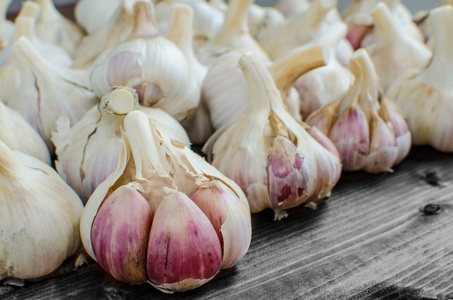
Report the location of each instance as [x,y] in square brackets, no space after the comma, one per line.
[369,240]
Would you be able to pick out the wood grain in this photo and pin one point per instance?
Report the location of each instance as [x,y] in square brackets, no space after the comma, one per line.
[369,240]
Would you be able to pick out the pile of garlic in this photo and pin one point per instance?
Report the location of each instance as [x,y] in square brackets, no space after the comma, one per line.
[276,96]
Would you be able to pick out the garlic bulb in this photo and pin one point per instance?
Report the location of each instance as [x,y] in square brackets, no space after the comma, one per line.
[325,84]
[290,8]
[269,154]
[118,30]
[47,91]
[6,31]
[198,124]
[52,27]
[394,52]
[183,220]
[39,217]
[425,95]
[151,64]
[261,19]
[299,30]
[18,135]
[227,94]
[360,23]
[25,26]
[89,151]
[233,36]
[369,134]
[207,18]
[93,16]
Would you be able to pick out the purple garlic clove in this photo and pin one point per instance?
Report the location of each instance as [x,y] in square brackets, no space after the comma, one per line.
[184,251]
[120,234]
[287,177]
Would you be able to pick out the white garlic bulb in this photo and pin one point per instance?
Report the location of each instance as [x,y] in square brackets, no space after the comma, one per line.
[299,29]
[227,94]
[425,95]
[39,217]
[47,91]
[118,30]
[6,31]
[325,84]
[290,8]
[261,19]
[269,154]
[233,36]
[198,124]
[93,16]
[89,151]
[18,135]
[368,132]
[52,27]
[181,220]
[206,22]
[151,64]
[394,52]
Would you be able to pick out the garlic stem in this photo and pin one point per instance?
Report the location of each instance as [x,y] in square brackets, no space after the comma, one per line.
[120,101]
[4,4]
[261,91]
[25,26]
[236,21]
[49,10]
[288,69]
[31,56]
[145,25]
[29,9]
[385,25]
[441,19]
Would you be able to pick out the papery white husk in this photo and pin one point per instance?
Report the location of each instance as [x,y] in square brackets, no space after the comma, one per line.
[18,135]
[48,91]
[291,8]
[39,217]
[154,164]
[89,151]
[425,95]
[95,15]
[261,19]
[241,150]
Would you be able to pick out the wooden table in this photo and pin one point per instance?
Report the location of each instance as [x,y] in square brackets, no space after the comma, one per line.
[387,236]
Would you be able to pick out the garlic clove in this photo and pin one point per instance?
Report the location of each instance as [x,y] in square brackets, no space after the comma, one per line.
[223,206]
[186,238]
[383,147]
[18,134]
[120,234]
[39,217]
[351,136]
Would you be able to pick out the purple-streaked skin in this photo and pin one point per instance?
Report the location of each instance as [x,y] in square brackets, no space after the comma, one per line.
[122,67]
[401,129]
[120,234]
[356,33]
[351,136]
[321,138]
[324,118]
[286,174]
[184,250]
[383,147]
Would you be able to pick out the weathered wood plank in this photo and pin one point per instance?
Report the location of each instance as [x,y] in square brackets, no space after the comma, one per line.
[369,240]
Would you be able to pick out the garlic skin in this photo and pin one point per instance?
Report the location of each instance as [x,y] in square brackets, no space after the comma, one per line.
[39,217]
[151,64]
[233,36]
[369,133]
[227,94]
[394,52]
[89,151]
[261,19]
[210,234]
[52,27]
[207,18]
[48,91]
[93,16]
[18,135]
[6,31]
[424,95]
[284,166]
[290,8]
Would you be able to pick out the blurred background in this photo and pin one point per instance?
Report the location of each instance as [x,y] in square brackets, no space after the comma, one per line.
[413,5]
